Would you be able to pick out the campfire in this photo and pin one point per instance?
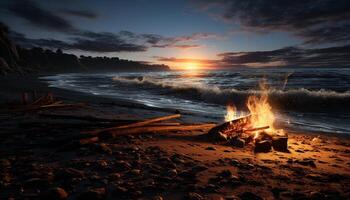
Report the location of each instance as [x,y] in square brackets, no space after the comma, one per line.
[256,128]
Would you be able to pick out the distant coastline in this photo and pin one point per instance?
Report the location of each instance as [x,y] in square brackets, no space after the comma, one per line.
[15,59]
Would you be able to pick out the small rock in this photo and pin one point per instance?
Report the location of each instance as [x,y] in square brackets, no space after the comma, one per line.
[249,196]
[135,172]
[56,193]
[157,198]
[280,144]
[103,148]
[194,196]
[215,197]
[210,148]
[262,146]
[237,142]
[122,165]
[231,197]
[119,191]
[225,174]
[171,173]
[93,194]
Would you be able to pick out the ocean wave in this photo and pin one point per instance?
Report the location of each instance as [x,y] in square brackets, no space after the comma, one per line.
[292,99]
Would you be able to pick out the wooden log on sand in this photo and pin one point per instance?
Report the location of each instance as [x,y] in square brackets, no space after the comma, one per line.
[149,129]
[54,105]
[90,140]
[133,125]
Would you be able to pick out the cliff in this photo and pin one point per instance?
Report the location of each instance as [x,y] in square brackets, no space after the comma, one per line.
[9,57]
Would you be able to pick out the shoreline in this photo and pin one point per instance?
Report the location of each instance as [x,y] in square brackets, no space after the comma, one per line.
[41,157]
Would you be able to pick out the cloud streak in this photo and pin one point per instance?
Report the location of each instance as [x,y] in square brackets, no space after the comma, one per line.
[80,13]
[36,16]
[290,56]
[123,41]
[319,21]
[285,57]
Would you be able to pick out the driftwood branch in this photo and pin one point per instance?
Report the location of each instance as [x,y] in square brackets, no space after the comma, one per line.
[133,125]
[148,129]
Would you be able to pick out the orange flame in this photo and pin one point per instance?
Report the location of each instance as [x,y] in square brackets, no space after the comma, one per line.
[231,113]
[260,110]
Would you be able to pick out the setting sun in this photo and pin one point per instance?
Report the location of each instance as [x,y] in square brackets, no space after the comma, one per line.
[191,66]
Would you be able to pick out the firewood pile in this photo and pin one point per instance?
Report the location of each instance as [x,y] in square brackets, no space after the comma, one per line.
[237,133]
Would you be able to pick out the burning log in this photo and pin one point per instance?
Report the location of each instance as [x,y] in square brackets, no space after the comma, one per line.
[235,128]
[133,125]
[257,129]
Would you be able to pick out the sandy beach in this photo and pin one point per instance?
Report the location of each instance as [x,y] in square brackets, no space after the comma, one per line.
[41,157]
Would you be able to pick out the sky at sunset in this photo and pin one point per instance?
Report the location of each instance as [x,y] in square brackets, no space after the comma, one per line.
[189,34]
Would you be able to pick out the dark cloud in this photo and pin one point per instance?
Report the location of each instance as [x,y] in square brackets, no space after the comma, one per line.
[35,15]
[80,13]
[94,42]
[317,21]
[89,40]
[290,56]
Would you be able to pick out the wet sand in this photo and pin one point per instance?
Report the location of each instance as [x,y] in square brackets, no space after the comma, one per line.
[41,157]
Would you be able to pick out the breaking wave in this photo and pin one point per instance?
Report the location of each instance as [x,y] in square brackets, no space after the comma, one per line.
[291,99]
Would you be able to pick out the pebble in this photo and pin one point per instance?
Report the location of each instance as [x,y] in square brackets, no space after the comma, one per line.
[56,193]
[93,194]
[103,148]
[210,148]
[157,198]
[237,142]
[194,196]
[249,196]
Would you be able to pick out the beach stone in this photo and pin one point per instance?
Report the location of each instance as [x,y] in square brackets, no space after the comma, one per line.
[103,148]
[122,165]
[225,174]
[280,143]
[199,168]
[119,191]
[5,163]
[232,197]
[171,173]
[194,196]
[262,146]
[249,196]
[135,172]
[210,148]
[69,173]
[237,142]
[93,194]
[306,162]
[215,197]
[56,193]
[157,198]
